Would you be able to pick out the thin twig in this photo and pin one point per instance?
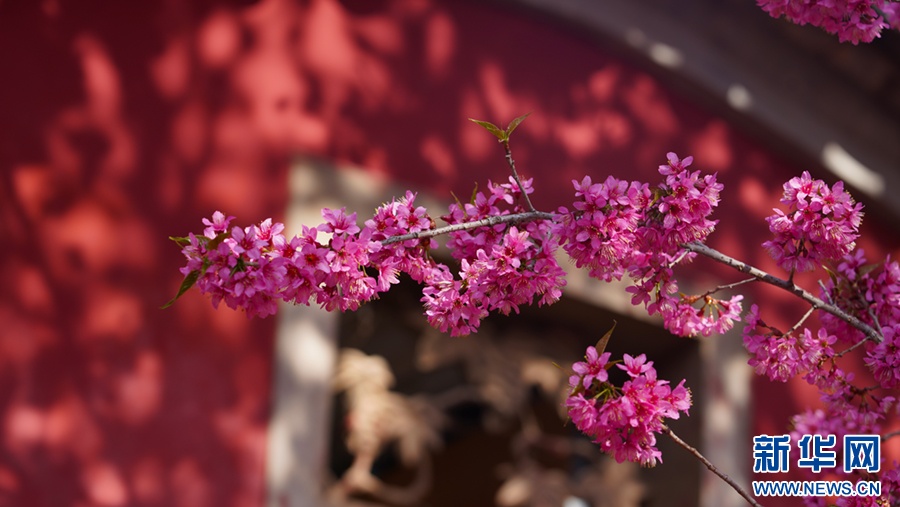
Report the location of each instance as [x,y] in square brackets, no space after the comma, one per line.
[728,286]
[890,435]
[787,285]
[678,259]
[512,167]
[825,291]
[802,320]
[528,216]
[712,468]
[875,320]
[850,348]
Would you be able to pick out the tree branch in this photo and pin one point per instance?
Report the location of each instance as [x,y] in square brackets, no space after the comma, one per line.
[512,167]
[517,218]
[787,285]
[710,292]
[712,468]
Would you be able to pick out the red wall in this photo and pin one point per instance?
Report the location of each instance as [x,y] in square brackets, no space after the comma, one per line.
[122,123]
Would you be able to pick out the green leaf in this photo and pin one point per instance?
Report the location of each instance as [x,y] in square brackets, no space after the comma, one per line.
[832,275]
[240,265]
[493,129]
[189,280]
[515,123]
[215,242]
[474,194]
[601,344]
[868,268]
[181,241]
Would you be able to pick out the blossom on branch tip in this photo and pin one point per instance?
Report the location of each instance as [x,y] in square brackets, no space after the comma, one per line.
[684,204]
[624,420]
[338,222]
[821,224]
[217,225]
[591,369]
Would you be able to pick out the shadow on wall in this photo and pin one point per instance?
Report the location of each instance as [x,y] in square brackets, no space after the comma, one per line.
[126,122]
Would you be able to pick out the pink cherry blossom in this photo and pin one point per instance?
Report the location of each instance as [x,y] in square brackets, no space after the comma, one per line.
[884,358]
[869,292]
[714,316]
[615,228]
[217,225]
[821,224]
[851,20]
[593,368]
[624,420]
[601,233]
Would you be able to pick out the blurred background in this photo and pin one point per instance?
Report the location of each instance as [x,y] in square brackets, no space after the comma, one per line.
[124,123]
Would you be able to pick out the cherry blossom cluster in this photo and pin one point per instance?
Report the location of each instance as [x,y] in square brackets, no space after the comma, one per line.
[502,266]
[820,225]
[850,410]
[602,233]
[783,356]
[854,413]
[340,265]
[242,267]
[884,358]
[830,422]
[812,355]
[615,228]
[890,493]
[505,257]
[336,264]
[869,293]
[851,20]
[624,421]
[619,228]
